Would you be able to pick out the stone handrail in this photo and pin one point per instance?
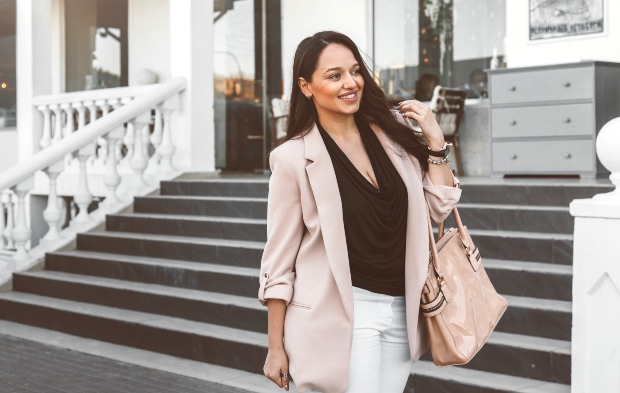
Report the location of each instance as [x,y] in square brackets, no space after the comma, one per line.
[65,143]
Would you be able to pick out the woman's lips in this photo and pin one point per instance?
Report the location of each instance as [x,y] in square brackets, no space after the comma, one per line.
[349,97]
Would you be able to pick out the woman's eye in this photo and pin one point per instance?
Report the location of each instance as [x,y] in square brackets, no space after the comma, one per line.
[334,75]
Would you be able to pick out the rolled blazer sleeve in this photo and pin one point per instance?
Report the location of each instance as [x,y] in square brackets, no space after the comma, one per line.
[285,230]
[441,199]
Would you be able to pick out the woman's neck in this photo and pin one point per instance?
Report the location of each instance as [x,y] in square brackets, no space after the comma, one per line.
[338,125]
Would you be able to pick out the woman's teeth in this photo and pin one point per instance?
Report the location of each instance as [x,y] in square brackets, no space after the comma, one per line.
[349,96]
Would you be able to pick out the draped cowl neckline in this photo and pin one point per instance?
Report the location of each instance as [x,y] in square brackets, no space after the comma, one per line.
[375,220]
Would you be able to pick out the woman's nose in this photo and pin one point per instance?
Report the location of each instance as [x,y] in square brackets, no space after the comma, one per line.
[349,81]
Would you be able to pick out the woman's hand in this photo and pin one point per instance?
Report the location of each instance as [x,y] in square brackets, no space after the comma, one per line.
[276,364]
[423,114]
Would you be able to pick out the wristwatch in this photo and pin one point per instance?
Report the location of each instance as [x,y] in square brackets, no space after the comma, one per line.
[443,152]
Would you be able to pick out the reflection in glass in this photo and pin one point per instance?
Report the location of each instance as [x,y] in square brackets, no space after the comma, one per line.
[8,97]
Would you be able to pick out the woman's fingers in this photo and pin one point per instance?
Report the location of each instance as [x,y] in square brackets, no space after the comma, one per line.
[284,378]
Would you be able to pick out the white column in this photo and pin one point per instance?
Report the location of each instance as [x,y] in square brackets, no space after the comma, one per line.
[58,123]
[83,197]
[53,213]
[7,199]
[138,160]
[191,56]
[34,39]
[596,278]
[21,232]
[46,137]
[70,127]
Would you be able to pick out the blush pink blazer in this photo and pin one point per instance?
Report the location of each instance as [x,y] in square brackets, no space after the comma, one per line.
[305,261]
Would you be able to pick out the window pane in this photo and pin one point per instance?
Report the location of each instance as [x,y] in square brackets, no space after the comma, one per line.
[8,96]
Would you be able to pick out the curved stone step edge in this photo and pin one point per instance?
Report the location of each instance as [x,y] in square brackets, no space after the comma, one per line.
[176,263]
[485,380]
[155,289]
[140,318]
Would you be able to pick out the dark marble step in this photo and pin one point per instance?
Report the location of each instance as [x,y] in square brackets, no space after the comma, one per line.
[239,349]
[202,206]
[537,317]
[549,248]
[545,219]
[553,193]
[530,279]
[212,227]
[523,356]
[231,280]
[426,377]
[255,188]
[210,307]
[193,249]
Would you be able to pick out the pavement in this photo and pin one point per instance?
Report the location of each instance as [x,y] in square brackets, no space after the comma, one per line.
[27,366]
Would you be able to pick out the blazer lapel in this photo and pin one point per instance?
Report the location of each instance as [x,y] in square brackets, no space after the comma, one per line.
[329,205]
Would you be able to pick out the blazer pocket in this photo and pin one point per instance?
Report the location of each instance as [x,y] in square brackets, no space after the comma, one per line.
[300,305]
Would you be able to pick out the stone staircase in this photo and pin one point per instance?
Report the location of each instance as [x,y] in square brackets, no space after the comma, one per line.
[179,275]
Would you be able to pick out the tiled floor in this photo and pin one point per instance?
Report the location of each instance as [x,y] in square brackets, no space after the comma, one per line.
[27,366]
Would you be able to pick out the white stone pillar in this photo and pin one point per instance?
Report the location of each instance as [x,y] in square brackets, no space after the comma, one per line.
[596,278]
[191,56]
[34,70]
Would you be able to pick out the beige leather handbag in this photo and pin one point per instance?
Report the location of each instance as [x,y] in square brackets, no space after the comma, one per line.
[460,304]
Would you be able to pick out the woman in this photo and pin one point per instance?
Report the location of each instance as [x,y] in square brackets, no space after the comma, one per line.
[347,235]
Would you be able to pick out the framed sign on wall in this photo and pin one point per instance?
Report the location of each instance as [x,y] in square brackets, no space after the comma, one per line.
[562,18]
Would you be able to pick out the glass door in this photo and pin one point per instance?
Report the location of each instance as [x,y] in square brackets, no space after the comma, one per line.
[242,104]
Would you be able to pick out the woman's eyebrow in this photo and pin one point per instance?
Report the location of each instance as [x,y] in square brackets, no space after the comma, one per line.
[339,68]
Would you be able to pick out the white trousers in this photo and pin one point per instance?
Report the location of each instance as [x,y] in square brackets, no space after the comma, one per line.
[380,358]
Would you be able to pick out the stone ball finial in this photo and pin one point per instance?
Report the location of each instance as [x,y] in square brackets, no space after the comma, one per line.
[146,77]
[608,152]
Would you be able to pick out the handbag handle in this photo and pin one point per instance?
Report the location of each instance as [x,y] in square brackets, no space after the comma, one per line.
[459,225]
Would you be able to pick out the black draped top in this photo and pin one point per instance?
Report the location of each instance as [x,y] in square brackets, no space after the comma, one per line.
[375,220]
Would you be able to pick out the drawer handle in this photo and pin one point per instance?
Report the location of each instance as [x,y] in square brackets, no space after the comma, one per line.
[513,88]
[513,157]
[567,84]
[567,155]
[567,120]
[513,123]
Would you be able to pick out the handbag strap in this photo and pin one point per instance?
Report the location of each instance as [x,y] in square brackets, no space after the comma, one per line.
[433,244]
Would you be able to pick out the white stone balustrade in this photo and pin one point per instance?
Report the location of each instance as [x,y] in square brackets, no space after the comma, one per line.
[596,278]
[101,118]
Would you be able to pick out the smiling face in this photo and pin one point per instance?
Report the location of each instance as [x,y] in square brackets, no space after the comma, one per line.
[337,83]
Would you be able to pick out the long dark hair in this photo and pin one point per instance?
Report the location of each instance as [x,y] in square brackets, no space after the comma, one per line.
[374,107]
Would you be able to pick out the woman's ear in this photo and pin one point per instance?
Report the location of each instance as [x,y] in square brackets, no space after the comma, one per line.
[304,86]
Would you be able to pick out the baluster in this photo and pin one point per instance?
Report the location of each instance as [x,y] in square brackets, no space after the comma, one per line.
[21,233]
[83,196]
[46,138]
[115,103]
[146,133]
[138,160]
[2,223]
[166,149]
[111,178]
[57,123]
[52,214]
[70,126]
[101,141]
[156,136]
[7,197]
[128,139]
[81,109]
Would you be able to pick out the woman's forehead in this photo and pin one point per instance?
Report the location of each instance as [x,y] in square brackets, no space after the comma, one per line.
[336,56]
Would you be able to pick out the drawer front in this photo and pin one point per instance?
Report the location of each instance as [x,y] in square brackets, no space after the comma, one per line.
[543,156]
[555,120]
[542,85]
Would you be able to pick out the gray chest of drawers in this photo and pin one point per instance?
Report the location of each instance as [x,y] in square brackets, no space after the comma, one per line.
[544,120]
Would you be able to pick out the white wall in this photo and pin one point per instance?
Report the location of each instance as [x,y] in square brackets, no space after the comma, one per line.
[149,38]
[8,152]
[479,27]
[397,33]
[301,19]
[522,52]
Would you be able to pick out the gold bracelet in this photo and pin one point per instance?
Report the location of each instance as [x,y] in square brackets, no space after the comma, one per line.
[445,159]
